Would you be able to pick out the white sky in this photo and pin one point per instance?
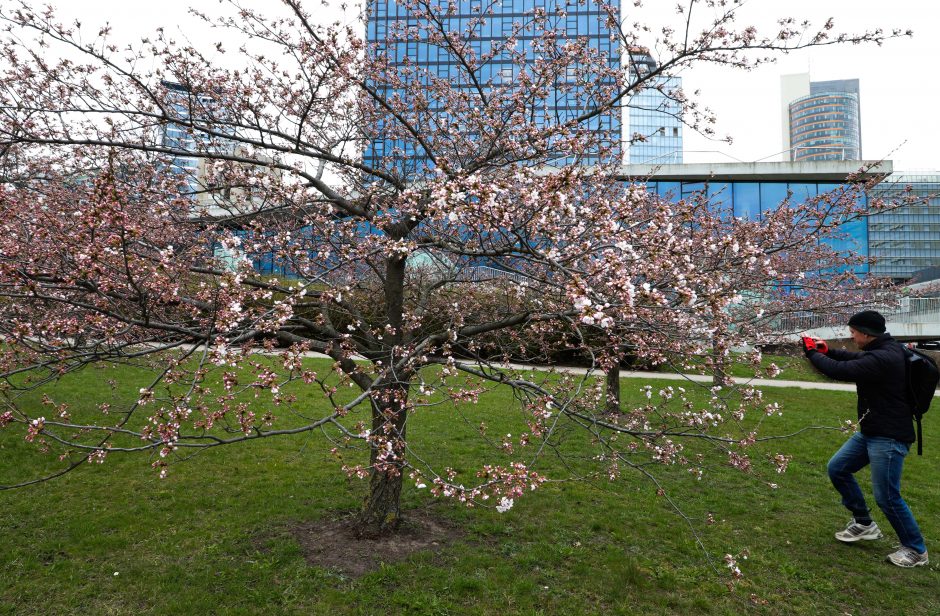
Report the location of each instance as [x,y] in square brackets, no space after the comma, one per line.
[900,88]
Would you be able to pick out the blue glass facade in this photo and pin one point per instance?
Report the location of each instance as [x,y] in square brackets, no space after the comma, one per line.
[177,136]
[655,130]
[906,240]
[749,200]
[900,242]
[484,25]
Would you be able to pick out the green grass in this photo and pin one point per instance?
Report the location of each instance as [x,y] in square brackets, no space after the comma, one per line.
[213,537]
[792,368]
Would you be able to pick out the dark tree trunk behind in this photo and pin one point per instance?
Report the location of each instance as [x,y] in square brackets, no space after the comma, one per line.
[720,365]
[613,388]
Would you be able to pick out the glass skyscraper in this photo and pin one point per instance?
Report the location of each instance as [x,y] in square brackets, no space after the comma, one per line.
[483,25]
[822,119]
[655,128]
[180,137]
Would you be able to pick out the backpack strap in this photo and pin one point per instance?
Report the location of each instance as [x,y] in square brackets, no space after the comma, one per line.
[908,357]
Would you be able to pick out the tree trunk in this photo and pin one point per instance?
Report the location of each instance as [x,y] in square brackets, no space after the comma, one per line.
[381,510]
[613,388]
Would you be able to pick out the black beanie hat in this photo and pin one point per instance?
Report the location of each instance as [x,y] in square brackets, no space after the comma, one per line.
[868,322]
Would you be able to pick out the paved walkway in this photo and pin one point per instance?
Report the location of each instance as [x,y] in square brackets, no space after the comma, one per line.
[671,376]
[699,378]
[746,381]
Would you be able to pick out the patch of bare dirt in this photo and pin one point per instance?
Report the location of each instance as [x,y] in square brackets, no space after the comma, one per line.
[331,544]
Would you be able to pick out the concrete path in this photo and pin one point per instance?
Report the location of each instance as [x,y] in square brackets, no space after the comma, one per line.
[747,381]
[671,376]
[698,378]
[665,376]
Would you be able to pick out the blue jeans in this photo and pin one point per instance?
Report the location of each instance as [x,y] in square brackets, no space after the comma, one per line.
[886,457]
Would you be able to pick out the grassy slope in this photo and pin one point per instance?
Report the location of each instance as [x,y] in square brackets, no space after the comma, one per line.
[213,537]
[792,368]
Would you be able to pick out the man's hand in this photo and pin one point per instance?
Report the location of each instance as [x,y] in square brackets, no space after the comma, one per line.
[812,345]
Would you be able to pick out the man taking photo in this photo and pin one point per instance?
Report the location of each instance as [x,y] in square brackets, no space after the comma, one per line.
[884,436]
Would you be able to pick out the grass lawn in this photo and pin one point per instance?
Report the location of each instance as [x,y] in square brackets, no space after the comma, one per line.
[216,535]
[792,368]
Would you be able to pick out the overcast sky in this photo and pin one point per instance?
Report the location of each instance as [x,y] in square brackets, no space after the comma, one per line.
[900,88]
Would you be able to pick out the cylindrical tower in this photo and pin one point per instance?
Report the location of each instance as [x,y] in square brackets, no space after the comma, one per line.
[825,126]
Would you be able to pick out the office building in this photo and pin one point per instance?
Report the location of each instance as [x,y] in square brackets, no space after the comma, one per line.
[906,240]
[481,24]
[655,127]
[901,241]
[748,190]
[821,119]
[202,129]
[181,137]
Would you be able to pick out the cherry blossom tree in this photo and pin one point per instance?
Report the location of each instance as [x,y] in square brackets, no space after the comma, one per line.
[143,184]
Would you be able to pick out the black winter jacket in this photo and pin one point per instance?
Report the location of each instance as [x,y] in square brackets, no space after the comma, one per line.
[879,374]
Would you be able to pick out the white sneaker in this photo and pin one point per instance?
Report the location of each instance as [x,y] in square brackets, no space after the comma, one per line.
[908,557]
[859,532]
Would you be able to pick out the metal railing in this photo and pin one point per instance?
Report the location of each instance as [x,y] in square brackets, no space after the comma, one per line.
[917,309]
[905,310]
[483,273]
